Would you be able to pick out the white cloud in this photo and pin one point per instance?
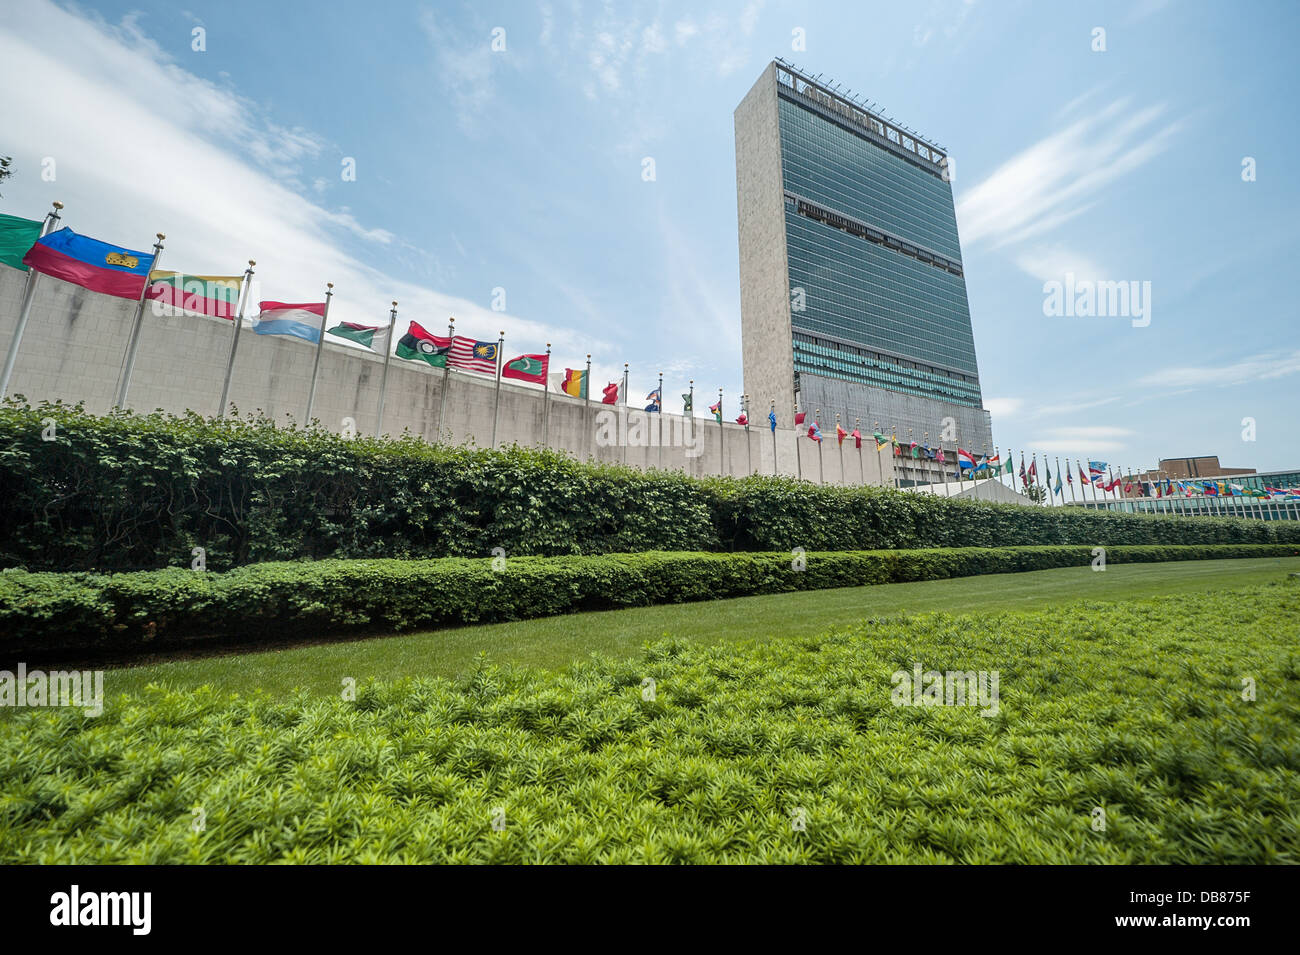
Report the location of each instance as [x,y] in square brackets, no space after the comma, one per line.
[1051,263]
[1001,408]
[1255,368]
[1084,440]
[130,164]
[1055,179]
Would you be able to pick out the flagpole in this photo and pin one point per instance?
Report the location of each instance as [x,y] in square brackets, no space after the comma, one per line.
[625,385]
[29,295]
[446,379]
[133,343]
[546,400]
[690,400]
[798,448]
[840,442]
[586,410]
[244,293]
[388,357]
[659,454]
[496,397]
[772,411]
[880,464]
[722,439]
[749,445]
[320,349]
[821,472]
[862,471]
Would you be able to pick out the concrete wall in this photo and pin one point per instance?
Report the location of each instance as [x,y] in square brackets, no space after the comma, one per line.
[75,342]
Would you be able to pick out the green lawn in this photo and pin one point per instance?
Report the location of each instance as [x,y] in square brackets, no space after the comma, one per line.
[555,642]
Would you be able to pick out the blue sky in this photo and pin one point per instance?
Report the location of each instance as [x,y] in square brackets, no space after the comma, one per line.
[521,170]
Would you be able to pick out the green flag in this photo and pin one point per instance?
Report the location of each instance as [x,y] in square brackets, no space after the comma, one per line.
[16,237]
[686,404]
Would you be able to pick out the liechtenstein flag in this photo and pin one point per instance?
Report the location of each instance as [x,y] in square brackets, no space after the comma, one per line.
[92,264]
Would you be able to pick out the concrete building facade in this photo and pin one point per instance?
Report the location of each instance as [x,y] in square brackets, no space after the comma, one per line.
[74,346]
[853,296]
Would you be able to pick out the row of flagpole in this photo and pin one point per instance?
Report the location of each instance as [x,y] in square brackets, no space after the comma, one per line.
[983,469]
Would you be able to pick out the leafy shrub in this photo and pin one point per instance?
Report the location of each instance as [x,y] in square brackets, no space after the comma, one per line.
[134,492]
[45,613]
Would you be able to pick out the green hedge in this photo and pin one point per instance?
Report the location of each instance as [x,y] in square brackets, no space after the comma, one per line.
[45,613]
[134,492]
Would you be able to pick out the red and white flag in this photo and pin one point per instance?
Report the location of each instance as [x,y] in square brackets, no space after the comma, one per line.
[470,355]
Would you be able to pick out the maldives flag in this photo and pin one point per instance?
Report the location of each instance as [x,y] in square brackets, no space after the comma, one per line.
[215,295]
[418,345]
[527,368]
[94,265]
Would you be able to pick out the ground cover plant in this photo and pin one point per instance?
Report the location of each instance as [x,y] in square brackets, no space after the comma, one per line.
[790,751]
[132,492]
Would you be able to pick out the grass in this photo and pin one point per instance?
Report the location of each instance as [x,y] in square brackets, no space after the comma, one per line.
[1133,709]
[555,642]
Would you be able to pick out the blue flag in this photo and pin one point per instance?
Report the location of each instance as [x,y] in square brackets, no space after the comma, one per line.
[654,399]
[771,419]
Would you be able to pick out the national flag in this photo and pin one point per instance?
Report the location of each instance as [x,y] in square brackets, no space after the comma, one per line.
[17,236]
[527,368]
[374,337]
[994,462]
[799,417]
[1033,470]
[1069,475]
[857,438]
[1128,487]
[742,418]
[610,395]
[1058,484]
[418,345]
[296,321]
[574,383]
[1096,469]
[715,409]
[1083,478]
[655,399]
[840,434]
[215,295]
[771,420]
[1023,478]
[94,265]
[965,459]
[881,441]
[470,355]
[939,457]
[687,404]
[814,431]
[915,449]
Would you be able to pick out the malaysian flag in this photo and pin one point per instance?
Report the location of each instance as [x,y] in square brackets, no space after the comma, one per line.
[470,355]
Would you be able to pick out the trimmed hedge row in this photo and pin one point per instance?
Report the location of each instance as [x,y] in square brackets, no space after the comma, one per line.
[45,613]
[133,492]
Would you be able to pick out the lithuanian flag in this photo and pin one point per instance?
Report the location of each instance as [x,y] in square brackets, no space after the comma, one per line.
[216,295]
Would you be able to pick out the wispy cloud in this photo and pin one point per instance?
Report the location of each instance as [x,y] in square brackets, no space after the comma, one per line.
[1051,263]
[1254,368]
[1057,178]
[1002,408]
[1092,439]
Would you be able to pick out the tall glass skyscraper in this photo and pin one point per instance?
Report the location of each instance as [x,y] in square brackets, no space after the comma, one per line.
[853,296]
